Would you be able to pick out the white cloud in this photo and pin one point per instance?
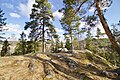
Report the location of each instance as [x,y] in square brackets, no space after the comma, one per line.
[12,37]
[14,28]
[14,15]
[8,5]
[25,9]
[57,14]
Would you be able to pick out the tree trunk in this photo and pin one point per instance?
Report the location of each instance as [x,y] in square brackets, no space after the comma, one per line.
[72,46]
[106,28]
[43,38]
[34,46]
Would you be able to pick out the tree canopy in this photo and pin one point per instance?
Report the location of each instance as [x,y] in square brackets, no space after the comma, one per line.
[41,21]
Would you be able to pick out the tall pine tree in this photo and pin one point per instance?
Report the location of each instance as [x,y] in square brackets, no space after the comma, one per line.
[70,22]
[41,21]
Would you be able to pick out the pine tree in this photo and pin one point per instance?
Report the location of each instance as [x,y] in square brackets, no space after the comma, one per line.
[21,47]
[99,6]
[68,44]
[5,48]
[70,22]
[89,38]
[52,46]
[2,23]
[41,21]
[57,42]
[98,33]
[32,46]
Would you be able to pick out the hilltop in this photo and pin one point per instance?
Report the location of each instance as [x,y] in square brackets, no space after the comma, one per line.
[83,65]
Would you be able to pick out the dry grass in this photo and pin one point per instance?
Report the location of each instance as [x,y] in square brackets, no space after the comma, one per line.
[60,66]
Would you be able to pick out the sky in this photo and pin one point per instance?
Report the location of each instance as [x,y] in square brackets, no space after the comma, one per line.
[17,13]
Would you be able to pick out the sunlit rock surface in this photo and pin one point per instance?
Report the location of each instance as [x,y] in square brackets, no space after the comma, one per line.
[83,65]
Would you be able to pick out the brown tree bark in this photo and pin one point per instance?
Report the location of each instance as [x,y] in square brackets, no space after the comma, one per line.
[106,28]
[43,38]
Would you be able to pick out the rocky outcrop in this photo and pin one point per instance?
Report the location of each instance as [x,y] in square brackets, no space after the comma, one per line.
[59,66]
